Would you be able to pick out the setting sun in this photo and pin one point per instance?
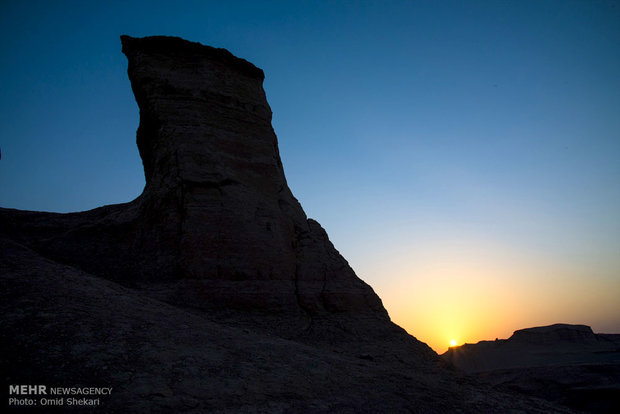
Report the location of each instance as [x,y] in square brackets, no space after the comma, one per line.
[452,342]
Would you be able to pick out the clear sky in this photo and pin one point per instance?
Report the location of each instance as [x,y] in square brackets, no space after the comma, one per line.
[463,156]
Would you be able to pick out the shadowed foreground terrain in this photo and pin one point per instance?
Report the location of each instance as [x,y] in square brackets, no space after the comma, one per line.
[567,364]
[212,291]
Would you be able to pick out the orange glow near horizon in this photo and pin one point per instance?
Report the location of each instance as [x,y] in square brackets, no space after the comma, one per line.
[484,294]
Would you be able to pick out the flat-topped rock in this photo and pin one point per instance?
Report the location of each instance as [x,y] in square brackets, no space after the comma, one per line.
[563,363]
[553,345]
[559,332]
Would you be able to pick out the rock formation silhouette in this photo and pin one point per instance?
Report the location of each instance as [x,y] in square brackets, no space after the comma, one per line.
[564,363]
[212,291]
[216,208]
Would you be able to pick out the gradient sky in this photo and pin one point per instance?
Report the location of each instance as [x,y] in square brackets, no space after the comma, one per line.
[463,156]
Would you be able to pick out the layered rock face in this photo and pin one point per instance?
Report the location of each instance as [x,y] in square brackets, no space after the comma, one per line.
[211,159]
[216,208]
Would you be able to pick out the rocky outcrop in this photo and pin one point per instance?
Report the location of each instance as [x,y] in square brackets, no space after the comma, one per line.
[216,208]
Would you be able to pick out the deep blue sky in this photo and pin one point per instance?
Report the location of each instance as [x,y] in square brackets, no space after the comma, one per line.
[414,131]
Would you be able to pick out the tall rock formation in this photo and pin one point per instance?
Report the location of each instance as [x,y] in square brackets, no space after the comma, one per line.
[216,208]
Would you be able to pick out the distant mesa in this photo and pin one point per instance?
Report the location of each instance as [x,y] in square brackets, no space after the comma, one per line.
[539,346]
[554,334]
[567,364]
